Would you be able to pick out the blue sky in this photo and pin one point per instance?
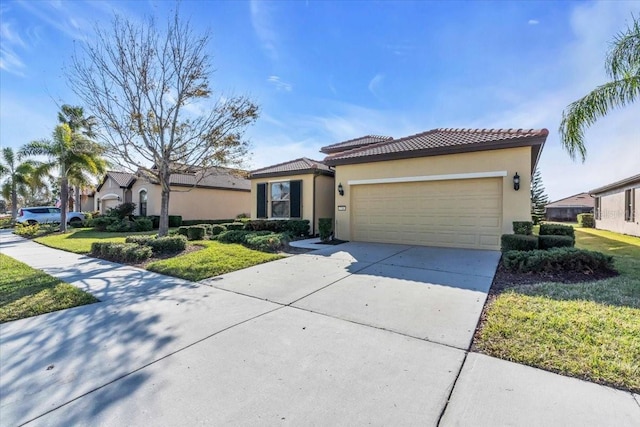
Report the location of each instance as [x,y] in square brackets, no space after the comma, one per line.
[328,71]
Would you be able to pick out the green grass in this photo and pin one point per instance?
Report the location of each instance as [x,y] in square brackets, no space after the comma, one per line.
[79,241]
[25,292]
[588,330]
[216,258]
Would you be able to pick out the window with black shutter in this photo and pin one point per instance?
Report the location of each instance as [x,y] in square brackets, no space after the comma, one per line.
[296,199]
[262,201]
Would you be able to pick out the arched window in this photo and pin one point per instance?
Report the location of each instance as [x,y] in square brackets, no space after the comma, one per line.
[143,202]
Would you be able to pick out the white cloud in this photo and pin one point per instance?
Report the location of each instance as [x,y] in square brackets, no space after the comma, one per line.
[10,42]
[280,84]
[262,24]
[533,22]
[375,84]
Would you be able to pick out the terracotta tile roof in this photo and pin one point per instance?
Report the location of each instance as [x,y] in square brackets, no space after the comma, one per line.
[123,179]
[292,167]
[442,141]
[622,183]
[577,200]
[355,143]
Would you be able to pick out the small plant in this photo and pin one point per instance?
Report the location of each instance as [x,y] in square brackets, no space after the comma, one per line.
[123,210]
[325,226]
[216,229]
[524,228]
[557,230]
[518,242]
[100,223]
[183,231]
[297,227]
[550,241]
[242,216]
[27,231]
[586,220]
[196,232]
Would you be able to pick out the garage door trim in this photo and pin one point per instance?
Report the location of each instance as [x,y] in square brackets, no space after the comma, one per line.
[447,177]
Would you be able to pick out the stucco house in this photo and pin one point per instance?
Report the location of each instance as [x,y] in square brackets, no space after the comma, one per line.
[297,189]
[221,193]
[616,207]
[569,208]
[445,187]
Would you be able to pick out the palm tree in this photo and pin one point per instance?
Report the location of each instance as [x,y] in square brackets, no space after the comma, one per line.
[623,66]
[22,178]
[70,152]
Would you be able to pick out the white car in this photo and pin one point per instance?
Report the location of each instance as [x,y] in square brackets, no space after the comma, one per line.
[46,214]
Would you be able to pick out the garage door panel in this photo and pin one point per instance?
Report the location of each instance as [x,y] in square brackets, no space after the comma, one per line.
[456,213]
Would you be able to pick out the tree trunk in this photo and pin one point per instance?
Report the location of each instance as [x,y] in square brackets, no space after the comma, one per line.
[163,228]
[64,203]
[77,206]
[14,200]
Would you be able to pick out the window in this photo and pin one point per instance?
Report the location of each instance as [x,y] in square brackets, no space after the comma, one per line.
[143,202]
[286,199]
[262,201]
[598,216]
[280,199]
[629,205]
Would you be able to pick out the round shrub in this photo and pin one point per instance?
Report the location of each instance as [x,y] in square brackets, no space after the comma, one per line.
[142,224]
[168,244]
[586,220]
[523,227]
[233,236]
[325,225]
[217,229]
[195,232]
[100,223]
[183,231]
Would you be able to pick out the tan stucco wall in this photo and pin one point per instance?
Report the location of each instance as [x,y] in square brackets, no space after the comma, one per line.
[612,212]
[516,205]
[193,203]
[324,197]
[108,194]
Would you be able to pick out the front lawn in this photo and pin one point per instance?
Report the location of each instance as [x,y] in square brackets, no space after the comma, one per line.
[79,241]
[588,330]
[26,292]
[216,258]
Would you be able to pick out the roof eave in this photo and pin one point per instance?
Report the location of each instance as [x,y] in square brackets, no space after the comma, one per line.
[617,184]
[291,173]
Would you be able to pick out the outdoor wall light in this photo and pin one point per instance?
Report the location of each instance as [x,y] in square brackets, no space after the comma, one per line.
[340,189]
[516,181]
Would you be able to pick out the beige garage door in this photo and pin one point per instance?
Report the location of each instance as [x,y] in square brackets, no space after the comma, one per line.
[456,213]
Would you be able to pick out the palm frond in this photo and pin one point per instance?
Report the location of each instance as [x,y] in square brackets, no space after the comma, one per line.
[584,112]
[624,56]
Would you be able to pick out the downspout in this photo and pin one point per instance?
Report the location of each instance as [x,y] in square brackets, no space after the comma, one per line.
[313,220]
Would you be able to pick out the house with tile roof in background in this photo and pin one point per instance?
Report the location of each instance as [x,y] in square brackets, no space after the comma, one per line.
[617,207]
[569,208]
[220,193]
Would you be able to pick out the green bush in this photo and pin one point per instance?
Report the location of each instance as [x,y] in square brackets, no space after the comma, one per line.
[122,211]
[121,252]
[175,220]
[100,223]
[557,230]
[155,220]
[183,231]
[242,216]
[217,229]
[142,224]
[550,241]
[206,221]
[140,240]
[168,244]
[557,259]
[196,232]
[234,225]
[27,231]
[518,242]
[325,226]
[120,225]
[586,220]
[234,236]
[207,228]
[271,242]
[523,228]
[297,227]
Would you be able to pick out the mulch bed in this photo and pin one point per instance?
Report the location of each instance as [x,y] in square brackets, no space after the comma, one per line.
[505,279]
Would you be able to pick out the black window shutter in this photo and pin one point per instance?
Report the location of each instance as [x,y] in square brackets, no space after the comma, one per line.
[262,201]
[296,199]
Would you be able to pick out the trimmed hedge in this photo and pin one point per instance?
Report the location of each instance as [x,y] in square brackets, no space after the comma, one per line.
[207,221]
[234,236]
[295,227]
[551,241]
[557,230]
[140,240]
[266,243]
[121,252]
[175,220]
[168,244]
[234,225]
[216,229]
[524,228]
[183,231]
[518,242]
[325,225]
[566,259]
[586,220]
[196,232]
[100,223]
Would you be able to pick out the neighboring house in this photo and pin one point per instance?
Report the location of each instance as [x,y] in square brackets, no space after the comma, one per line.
[220,194]
[616,206]
[444,187]
[298,189]
[569,208]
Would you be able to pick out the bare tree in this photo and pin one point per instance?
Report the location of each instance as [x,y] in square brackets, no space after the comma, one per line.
[149,90]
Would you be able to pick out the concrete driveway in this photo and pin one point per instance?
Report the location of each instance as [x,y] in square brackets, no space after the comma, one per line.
[357,334]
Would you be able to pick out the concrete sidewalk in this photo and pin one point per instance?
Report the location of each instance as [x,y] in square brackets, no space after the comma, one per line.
[271,345]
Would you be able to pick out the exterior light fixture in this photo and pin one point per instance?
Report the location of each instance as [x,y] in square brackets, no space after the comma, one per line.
[516,181]
[340,189]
